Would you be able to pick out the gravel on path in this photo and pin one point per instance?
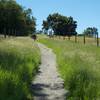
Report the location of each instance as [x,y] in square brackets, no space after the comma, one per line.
[48,85]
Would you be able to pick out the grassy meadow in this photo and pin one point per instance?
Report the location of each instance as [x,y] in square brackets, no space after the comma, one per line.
[19,60]
[79,66]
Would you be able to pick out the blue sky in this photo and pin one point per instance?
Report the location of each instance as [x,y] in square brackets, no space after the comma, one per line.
[85,12]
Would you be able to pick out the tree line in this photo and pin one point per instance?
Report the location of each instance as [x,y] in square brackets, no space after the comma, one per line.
[15,20]
[65,26]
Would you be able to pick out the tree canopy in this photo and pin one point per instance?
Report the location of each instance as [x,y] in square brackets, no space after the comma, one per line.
[91,31]
[61,25]
[14,19]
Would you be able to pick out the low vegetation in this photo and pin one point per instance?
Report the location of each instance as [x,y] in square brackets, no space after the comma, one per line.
[19,60]
[79,66]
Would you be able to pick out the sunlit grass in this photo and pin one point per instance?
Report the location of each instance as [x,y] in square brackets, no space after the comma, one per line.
[19,60]
[79,66]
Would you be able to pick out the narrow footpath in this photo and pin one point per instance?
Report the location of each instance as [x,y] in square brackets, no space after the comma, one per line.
[48,85]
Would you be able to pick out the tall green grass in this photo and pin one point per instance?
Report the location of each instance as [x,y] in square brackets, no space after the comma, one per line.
[19,60]
[79,66]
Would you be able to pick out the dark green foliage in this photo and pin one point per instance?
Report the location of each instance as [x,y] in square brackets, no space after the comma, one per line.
[61,25]
[15,20]
[11,88]
[91,32]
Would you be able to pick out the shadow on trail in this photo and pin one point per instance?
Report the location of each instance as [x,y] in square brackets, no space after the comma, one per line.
[48,85]
[38,90]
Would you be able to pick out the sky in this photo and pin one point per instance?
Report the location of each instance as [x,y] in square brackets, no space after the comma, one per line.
[85,12]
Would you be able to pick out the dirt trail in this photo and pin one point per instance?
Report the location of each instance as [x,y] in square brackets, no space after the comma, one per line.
[48,85]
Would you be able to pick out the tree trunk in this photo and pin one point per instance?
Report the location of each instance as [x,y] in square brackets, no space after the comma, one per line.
[9,33]
[12,32]
[5,34]
[15,32]
[97,39]
[84,39]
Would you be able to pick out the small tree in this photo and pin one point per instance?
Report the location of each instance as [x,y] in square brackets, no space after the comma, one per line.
[91,31]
